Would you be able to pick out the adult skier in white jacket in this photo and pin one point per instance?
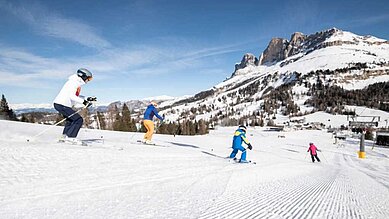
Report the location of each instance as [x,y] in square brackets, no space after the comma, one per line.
[69,96]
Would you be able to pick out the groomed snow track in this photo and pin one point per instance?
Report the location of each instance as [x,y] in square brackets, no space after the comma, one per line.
[331,192]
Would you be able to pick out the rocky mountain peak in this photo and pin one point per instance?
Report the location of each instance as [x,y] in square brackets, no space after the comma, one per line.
[297,38]
[296,42]
[280,49]
[247,60]
[275,51]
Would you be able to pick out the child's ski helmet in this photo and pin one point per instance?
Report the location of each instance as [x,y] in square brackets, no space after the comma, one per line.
[85,74]
[243,128]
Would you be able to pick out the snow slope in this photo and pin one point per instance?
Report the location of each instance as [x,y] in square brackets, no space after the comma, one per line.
[188,177]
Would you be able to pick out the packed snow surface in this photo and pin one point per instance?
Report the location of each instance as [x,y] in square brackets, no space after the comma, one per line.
[188,176]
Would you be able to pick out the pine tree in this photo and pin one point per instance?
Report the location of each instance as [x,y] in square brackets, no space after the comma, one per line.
[162,129]
[142,127]
[85,115]
[3,104]
[125,119]
[12,115]
[132,126]
[117,123]
[24,118]
[270,123]
[192,128]
[111,117]
[203,127]
[58,118]
[101,119]
[124,122]
[5,112]
[172,128]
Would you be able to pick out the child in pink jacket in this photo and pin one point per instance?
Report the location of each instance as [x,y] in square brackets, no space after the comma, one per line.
[313,149]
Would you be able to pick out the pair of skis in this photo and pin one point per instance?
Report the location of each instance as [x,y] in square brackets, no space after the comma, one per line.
[149,144]
[231,160]
[79,142]
[236,160]
[94,143]
[91,142]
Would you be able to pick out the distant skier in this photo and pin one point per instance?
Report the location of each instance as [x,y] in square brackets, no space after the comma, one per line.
[239,138]
[67,97]
[148,121]
[313,150]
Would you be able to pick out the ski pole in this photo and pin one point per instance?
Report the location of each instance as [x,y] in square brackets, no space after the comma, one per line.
[324,156]
[133,135]
[97,118]
[40,133]
[141,123]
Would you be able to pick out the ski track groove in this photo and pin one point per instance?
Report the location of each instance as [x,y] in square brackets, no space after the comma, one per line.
[320,189]
[299,201]
[200,179]
[271,200]
[266,199]
[314,196]
[352,167]
[224,203]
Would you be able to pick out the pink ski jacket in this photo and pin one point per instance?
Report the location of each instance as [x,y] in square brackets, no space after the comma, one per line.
[312,148]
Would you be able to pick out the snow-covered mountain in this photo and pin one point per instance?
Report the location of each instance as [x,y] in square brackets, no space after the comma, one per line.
[28,107]
[47,108]
[159,98]
[332,58]
[140,105]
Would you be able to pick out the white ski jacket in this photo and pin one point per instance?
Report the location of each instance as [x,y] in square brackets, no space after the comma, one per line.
[68,94]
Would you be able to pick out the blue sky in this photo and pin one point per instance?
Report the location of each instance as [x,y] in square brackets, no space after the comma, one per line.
[143,48]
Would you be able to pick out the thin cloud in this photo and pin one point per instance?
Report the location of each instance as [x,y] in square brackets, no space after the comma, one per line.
[21,66]
[210,52]
[48,23]
[24,69]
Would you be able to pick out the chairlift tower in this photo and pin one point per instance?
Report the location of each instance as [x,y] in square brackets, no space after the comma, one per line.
[363,122]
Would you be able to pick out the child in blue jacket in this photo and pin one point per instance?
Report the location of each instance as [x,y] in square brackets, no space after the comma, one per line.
[239,138]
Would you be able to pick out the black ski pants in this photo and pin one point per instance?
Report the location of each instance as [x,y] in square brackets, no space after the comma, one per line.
[313,158]
[73,123]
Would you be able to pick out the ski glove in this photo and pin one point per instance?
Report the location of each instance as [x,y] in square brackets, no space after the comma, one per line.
[87,103]
[249,146]
[91,98]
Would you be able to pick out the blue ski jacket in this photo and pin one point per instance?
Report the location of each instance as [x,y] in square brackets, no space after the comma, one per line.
[239,137]
[150,112]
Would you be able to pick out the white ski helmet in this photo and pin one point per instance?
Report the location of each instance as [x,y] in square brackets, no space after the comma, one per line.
[85,74]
